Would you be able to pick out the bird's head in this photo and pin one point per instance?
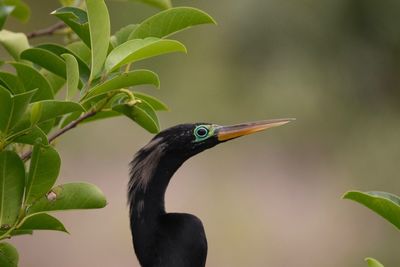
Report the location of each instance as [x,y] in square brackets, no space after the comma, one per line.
[187,140]
[167,151]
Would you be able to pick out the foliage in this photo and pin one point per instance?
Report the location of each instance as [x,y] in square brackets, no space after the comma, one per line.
[385,204]
[373,263]
[55,87]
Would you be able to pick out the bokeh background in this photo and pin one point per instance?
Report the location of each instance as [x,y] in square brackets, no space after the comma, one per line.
[272,199]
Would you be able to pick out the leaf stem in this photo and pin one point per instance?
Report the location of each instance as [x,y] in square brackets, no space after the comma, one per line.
[46,31]
[27,155]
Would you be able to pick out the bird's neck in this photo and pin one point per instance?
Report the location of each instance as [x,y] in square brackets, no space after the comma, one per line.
[150,176]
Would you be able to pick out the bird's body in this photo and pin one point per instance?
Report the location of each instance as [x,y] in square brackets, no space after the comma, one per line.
[165,239]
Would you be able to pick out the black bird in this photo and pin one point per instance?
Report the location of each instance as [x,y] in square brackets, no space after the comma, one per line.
[165,239]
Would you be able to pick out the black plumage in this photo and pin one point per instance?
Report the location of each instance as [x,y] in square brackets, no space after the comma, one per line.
[165,239]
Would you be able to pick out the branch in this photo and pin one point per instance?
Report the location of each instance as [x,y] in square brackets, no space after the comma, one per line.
[27,155]
[47,31]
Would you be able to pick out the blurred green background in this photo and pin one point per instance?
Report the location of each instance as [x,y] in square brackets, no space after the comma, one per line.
[272,199]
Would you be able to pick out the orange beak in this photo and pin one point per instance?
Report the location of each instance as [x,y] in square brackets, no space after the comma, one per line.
[225,133]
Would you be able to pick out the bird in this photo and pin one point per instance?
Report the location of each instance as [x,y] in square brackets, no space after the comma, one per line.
[162,239]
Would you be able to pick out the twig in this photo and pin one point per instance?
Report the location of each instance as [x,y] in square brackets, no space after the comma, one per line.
[46,31]
[27,155]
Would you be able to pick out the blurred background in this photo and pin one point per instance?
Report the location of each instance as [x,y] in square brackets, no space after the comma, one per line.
[271,199]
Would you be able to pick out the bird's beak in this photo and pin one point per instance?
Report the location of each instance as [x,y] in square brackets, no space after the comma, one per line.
[225,133]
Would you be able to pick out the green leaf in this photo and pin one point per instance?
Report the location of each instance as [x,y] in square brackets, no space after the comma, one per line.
[162,4]
[99,27]
[4,12]
[21,11]
[77,20]
[11,82]
[124,80]
[55,81]
[122,35]
[36,112]
[170,21]
[5,109]
[152,101]
[385,204]
[33,79]
[43,172]
[81,51]
[47,125]
[19,232]
[70,118]
[142,113]
[31,136]
[50,109]
[103,115]
[42,221]
[12,108]
[373,263]
[13,42]
[54,108]
[138,49]
[60,50]
[45,59]
[12,181]
[72,75]
[8,255]
[68,197]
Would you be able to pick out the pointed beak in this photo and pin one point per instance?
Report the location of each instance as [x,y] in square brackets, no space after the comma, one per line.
[225,133]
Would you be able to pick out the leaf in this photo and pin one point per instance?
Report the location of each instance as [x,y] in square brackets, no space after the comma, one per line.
[11,82]
[50,109]
[122,35]
[43,172]
[12,181]
[162,4]
[385,204]
[31,136]
[6,104]
[13,42]
[72,75]
[21,11]
[19,232]
[373,263]
[60,50]
[77,20]
[138,49]
[32,79]
[12,108]
[42,221]
[54,108]
[152,101]
[81,51]
[69,197]
[142,113]
[4,12]
[55,81]
[128,79]
[102,115]
[45,59]
[70,118]
[36,112]
[47,125]
[8,255]
[99,27]
[170,21]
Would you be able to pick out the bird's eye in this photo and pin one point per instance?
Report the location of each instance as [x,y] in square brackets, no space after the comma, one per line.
[201,132]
